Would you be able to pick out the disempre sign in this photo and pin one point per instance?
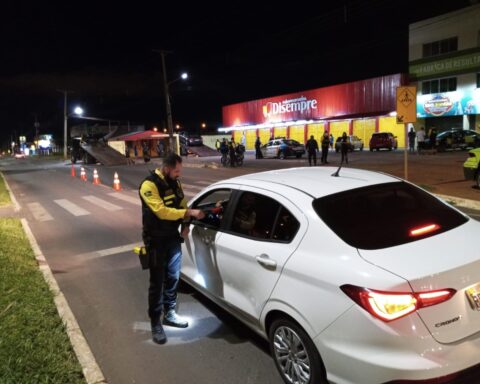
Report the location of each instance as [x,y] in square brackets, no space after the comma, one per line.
[406,105]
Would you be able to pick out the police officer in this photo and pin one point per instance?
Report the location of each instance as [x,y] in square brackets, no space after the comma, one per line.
[164,208]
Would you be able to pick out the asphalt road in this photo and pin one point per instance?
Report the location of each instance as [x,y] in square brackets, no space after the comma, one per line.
[86,232]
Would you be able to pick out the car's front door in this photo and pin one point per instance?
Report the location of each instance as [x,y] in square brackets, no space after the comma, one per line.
[199,261]
[264,230]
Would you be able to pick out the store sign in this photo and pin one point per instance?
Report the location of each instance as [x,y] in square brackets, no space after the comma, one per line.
[449,104]
[459,64]
[301,104]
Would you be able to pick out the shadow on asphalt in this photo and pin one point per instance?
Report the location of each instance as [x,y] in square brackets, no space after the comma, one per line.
[232,330]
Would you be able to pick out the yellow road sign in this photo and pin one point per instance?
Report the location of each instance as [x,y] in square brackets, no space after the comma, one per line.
[406,105]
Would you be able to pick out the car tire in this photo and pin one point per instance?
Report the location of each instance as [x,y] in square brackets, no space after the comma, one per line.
[299,156]
[293,351]
[371,149]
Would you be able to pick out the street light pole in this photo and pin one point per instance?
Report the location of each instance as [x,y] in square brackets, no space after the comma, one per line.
[167,104]
[65,121]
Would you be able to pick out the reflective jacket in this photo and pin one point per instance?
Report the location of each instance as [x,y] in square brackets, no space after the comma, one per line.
[163,206]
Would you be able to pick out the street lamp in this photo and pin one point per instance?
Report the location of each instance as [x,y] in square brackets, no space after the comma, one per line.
[168,106]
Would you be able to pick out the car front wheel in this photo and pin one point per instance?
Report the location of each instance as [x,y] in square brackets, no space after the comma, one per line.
[294,353]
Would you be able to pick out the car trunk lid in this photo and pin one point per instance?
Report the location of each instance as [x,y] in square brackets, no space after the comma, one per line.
[440,262]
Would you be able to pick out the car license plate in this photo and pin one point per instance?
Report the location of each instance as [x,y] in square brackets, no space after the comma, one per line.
[473,295]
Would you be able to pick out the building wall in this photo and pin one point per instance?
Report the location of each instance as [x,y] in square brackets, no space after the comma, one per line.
[463,23]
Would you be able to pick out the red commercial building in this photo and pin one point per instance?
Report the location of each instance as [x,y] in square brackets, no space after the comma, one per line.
[359,108]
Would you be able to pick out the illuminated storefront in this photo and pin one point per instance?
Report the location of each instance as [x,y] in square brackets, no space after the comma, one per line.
[359,108]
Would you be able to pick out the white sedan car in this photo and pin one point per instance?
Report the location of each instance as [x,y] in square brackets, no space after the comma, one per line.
[360,278]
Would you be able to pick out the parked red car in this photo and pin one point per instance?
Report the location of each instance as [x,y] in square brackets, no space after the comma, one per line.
[383,140]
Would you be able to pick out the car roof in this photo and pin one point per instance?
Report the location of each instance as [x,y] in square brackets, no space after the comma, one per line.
[314,181]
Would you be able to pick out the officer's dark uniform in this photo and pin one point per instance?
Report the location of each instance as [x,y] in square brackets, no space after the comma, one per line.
[163,208]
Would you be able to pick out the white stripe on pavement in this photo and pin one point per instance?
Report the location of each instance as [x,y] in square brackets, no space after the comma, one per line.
[38,212]
[188,186]
[205,182]
[189,194]
[128,199]
[109,251]
[74,209]
[102,203]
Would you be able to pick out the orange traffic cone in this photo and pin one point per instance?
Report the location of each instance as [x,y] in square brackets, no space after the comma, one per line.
[116,182]
[83,174]
[96,179]
[73,171]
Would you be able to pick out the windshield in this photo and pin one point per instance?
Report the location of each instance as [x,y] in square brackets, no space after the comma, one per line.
[386,215]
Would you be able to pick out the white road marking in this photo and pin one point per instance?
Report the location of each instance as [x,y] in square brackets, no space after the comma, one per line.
[109,251]
[38,212]
[128,199]
[102,203]
[185,186]
[205,182]
[74,209]
[189,194]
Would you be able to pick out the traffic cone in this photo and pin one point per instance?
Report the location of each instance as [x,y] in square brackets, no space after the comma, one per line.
[73,171]
[116,182]
[96,179]
[83,174]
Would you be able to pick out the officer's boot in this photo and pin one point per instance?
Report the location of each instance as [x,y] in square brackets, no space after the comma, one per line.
[158,334]
[173,320]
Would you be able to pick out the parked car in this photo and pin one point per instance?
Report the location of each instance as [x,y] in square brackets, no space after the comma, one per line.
[471,167]
[383,140]
[282,148]
[353,143]
[457,139]
[190,139]
[377,290]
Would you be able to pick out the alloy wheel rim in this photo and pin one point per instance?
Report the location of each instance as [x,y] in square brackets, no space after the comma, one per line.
[291,355]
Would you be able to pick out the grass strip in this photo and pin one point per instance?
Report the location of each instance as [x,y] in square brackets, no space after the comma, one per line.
[34,346]
[4,196]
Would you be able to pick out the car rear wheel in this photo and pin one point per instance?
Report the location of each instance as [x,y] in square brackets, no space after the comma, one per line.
[294,353]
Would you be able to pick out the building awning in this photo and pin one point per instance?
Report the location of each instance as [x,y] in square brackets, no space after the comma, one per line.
[143,135]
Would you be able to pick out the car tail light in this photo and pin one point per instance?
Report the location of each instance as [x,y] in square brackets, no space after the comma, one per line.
[423,230]
[388,306]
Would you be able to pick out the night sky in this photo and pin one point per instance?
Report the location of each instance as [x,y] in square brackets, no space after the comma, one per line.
[233,52]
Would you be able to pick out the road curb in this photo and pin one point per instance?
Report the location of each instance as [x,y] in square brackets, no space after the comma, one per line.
[460,202]
[90,368]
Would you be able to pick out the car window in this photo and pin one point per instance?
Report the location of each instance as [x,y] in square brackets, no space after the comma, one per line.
[255,216]
[214,204]
[386,215]
[286,226]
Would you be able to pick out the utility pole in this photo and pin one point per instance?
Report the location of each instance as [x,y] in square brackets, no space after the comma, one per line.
[65,121]
[168,106]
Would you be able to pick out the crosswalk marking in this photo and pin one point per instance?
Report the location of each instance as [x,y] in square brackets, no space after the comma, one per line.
[74,209]
[205,182]
[189,194]
[187,187]
[128,199]
[38,212]
[102,203]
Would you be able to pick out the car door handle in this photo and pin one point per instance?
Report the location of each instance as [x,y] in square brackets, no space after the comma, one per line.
[264,260]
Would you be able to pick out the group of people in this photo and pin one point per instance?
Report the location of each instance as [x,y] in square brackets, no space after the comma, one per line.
[326,142]
[421,137]
[231,151]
